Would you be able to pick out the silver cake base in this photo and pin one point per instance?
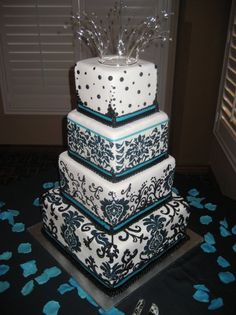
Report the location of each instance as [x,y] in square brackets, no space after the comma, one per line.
[102,299]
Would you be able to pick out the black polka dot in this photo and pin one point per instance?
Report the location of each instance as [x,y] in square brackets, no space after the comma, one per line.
[78,71]
[85,103]
[149,85]
[114,99]
[94,68]
[91,98]
[133,82]
[149,93]
[106,101]
[144,103]
[87,86]
[149,74]
[121,79]
[120,101]
[103,87]
[141,74]
[99,109]
[98,96]
[122,112]
[110,78]
[138,91]
[79,87]
[140,65]
[85,73]
[130,105]
[125,71]
[126,88]
[114,87]
[99,77]
[93,83]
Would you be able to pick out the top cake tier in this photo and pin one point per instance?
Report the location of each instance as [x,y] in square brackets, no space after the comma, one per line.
[116,95]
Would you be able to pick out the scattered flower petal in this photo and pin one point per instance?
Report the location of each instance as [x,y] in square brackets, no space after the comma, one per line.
[193,192]
[48,185]
[201,287]
[65,287]
[223,262]
[205,219]
[18,227]
[208,248]
[210,206]
[4,285]
[6,256]
[29,268]
[2,204]
[42,279]
[209,238]
[24,248]
[234,229]
[215,304]
[7,215]
[27,288]
[37,202]
[226,277]
[4,269]
[201,296]
[53,272]
[51,308]
[83,294]
[224,232]
[234,247]
[15,213]
[111,311]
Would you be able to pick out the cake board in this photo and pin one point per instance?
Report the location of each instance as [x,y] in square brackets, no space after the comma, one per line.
[103,300]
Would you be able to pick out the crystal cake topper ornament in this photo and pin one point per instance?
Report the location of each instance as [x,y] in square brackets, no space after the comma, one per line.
[117,41]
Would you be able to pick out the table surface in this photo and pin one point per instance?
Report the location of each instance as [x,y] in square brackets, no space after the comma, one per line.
[173,290]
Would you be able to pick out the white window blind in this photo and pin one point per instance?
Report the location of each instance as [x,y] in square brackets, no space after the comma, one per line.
[225,124]
[37,53]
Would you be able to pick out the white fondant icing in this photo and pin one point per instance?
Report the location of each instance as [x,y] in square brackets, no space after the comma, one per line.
[115,203]
[114,258]
[127,89]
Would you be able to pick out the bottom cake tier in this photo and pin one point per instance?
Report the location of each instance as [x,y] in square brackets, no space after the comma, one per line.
[114,259]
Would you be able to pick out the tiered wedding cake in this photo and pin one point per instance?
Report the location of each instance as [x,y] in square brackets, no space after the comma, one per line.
[115,212]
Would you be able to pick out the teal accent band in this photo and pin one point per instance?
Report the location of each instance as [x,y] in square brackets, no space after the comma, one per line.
[135,168]
[121,118]
[107,226]
[121,138]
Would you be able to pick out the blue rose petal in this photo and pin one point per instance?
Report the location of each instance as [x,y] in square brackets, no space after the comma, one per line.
[51,308]
[18,227]
[215,304]
[201,287]
[224,232]
[24,248]
[6,256]
[2,204]
[42,279]
[234,247]
[29,268]
[226,277]
[65,287]
[53,272]
[210,206]
[222,262]
[209,238]
[27,288]
[208,248]
[193,192]
[111,311]
[201,296]
[37,202]
[4,269]
[234,229]
[4,285]
[205,219]
[224,223]
[48,185]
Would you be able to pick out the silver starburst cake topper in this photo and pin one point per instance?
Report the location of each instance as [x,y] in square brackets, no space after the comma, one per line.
[117,42]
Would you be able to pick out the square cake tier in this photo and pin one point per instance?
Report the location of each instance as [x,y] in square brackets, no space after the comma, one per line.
[116,94]
[113,205]
[114,259]
[117,152]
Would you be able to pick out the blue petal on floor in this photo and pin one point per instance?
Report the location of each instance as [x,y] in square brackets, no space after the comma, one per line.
[201,287]
[205,219]
[8,215]
[48,185]
[201,296]
[18,227]
[208,248]
[210,206]
[37,202]
[195,202]
[24,248]
[215,304]
[234,247]
[42,279]
[224,223]
[209,238]
[226,277]
[2,204]
[51,308]
[234,229]
[27,288]
[4,269]
[53,272]
[222,262]
[65,287]
[111,311]
[6,256]
[4,285]
[193,192]
[83,294]
[224,232]
[29,268]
